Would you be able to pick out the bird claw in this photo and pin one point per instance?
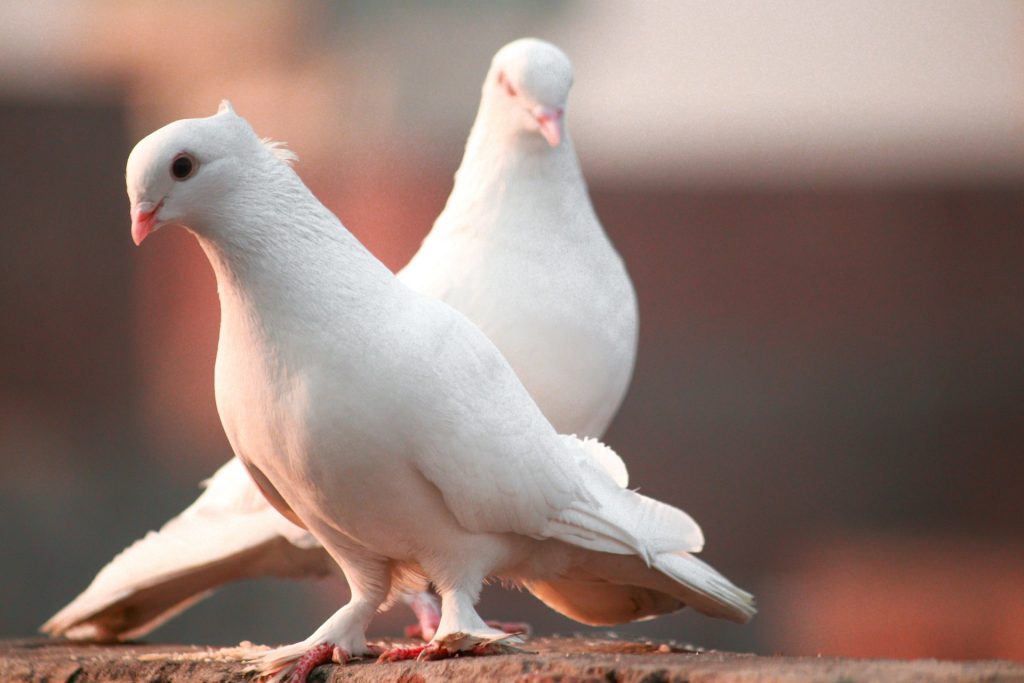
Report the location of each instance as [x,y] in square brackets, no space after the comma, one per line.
[427,630]
[399,654]
[297,669]
[455,645]
[373,650]
[314,657]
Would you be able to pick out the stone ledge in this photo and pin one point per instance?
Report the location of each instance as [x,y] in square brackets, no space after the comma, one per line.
[554,659]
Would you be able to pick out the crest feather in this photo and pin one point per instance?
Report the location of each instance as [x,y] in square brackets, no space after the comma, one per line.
[280,150]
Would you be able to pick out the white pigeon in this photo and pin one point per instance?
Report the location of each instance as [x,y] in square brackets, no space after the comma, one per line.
[391,428]
[520,252]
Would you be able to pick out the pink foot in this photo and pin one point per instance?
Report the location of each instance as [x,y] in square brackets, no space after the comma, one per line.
[321,654]
[432,651]
[457,645]
[428,616]
[427,652]
[399,654]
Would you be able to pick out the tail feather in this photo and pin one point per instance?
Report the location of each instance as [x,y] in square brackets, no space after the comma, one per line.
[704,589]
[629,523]
[596,602]
[604,589]
[640,543]
[617,520]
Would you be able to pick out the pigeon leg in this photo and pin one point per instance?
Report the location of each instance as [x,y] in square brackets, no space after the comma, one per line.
[459,615]
[343,634]
[428,615]
[460,633]
[341,637]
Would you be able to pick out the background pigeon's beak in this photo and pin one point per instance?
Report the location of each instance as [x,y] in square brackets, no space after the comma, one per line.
[143,218]
[550,121]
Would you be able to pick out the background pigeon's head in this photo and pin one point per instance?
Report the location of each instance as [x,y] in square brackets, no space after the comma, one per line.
[532,78]
[181,171]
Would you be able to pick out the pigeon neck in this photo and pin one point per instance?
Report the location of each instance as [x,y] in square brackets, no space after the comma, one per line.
[285,254]
[499,141]
[510,172]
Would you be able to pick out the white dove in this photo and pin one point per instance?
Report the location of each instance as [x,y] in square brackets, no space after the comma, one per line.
[389,426]
[520,252]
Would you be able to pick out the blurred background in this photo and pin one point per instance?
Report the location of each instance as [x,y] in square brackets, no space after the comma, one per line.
[821,205]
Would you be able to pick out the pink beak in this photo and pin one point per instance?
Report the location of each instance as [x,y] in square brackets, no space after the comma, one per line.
[143,218]
[550,121]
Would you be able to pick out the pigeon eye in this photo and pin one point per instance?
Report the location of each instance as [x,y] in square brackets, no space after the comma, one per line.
[183,166]
[504,81]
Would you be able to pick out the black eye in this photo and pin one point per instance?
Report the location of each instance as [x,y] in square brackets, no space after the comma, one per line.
[183,166]
[509,88]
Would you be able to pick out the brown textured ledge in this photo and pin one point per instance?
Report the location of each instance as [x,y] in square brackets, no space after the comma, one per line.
[556,659]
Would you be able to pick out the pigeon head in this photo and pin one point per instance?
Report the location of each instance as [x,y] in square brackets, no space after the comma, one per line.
[184,169]
[530,79]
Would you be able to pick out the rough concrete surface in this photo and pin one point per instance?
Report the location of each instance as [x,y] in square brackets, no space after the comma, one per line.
[551,659]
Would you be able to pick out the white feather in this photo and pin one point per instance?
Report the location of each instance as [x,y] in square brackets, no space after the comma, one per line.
[384,420]
[518,250]
[280,150]
[705,589]
[608,459]
[390,424]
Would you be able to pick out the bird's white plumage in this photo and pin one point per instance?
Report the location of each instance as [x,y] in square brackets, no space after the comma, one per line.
[607,459]
[481,473]
[388,423]
[520,252]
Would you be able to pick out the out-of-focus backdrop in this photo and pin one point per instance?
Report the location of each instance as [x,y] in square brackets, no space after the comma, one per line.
[821,205]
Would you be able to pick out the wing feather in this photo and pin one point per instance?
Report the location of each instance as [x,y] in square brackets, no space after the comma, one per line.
[501,467]
[498,463]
